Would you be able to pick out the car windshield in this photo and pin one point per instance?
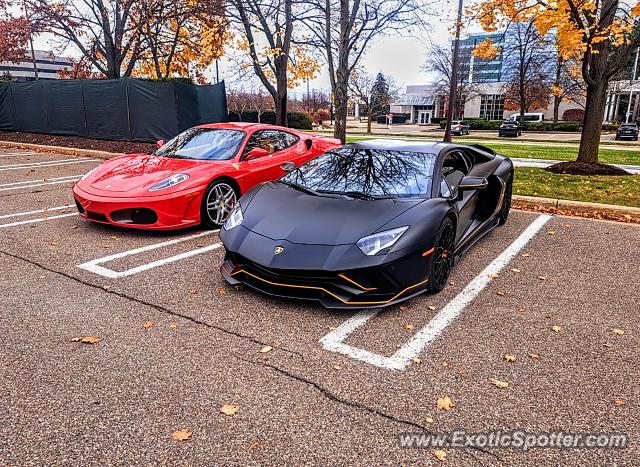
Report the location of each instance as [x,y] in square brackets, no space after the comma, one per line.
[213,144]
[629,125]
[366,173]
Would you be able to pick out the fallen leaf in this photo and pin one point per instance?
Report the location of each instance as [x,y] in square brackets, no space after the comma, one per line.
[499,384]
[618,402]
[114,238]
[181,435]
[556,328]
[534,356]
[500,293]
[403,308]
[521,309]
[254,445]
[173,325]
[229,409]
[408,327]
[74,227]
[429,420]
[525,255]
[445,403]
[416,360]
[221,291]
[193,291]
[551,232]
[337,367]
[515,269]
[492,276]
[148,324]
[106,287]
[440,455]
[88,339]
[542,278]
[619,332]
[266,348]
[333,328]
[509,358]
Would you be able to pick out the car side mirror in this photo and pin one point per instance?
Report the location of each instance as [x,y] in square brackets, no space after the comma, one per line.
[472,183]
[255,153]
[288,166]
[160,143]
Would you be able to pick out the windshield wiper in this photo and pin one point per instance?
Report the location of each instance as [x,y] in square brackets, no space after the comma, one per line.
[300,188]
[356,194]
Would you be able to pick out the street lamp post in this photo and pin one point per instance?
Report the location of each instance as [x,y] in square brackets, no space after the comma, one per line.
[454,75]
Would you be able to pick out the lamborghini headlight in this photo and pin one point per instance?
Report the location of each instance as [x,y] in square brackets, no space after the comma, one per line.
[234,219]
[169,182]
[375,243]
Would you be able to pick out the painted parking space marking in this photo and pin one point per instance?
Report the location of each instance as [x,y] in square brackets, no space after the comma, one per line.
[27,213]
[95,267]
[37,183]
[40,219]
[23,154]
[40,165]
[334,341]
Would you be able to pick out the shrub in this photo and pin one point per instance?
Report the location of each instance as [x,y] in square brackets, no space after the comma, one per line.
[576,115]
[610,126]
[297,120]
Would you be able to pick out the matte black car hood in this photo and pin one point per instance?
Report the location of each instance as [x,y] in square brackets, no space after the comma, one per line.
[280,212]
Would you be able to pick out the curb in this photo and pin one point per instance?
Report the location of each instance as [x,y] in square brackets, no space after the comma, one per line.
[59,150]
[577,208]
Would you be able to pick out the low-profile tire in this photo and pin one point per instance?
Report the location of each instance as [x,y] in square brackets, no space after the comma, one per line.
[442,259]
[217,203]
[503,215]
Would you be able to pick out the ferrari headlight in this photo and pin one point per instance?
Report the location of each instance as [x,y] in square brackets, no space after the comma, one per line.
[234,219]
[375,243]
[89,173]
[169,182]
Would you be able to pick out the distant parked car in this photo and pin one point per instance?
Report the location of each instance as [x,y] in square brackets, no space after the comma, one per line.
[509,128]
[627,130]
[529,117]
[460,127]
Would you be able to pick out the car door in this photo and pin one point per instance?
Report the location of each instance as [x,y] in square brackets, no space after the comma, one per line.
[267,167]
[455,166]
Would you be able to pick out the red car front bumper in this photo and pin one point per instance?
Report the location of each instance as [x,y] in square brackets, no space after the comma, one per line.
[172,211]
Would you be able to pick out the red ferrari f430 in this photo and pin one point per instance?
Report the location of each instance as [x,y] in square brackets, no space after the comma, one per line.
[196,178]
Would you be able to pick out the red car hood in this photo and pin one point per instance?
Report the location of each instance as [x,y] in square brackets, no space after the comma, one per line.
[133,175]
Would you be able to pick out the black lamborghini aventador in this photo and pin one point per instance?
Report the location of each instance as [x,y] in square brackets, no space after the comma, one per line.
[367,224]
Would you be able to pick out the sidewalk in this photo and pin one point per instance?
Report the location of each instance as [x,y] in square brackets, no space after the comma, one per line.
[544,163]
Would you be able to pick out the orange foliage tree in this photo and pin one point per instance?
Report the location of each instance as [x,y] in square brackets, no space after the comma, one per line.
[600,35]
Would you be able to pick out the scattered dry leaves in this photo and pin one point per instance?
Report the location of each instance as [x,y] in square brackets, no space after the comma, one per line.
[193,291]
[429,420]
[432,308]
[173,325]
[229,409]
[515,269]
[266,349]
[87,340]
[181,435]
[440,455]
[148,324]
[619,402]
[221,291]
[534,356]
[520,309]
[408,327]
[542,278]
[499,384]
[619,332]
[416,360]
[337,367]
[525,255]
[556,328]
[445,403]
[500,293]
[509,358]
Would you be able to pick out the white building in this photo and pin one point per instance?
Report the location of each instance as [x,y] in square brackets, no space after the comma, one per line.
[421,103]
[47,64]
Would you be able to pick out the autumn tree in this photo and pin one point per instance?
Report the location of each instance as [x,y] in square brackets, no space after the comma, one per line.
[179,38]
[80,69]
[600,35]
[103,31]
[439,62]
[343,31]
[266,30]
[14,35]
[568,85]
[374,91]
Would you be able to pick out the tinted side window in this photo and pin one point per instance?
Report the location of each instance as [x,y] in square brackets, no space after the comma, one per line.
[289,139]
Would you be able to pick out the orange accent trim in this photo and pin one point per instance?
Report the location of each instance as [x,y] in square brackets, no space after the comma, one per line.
[355,283]
[332,294]
[428,252]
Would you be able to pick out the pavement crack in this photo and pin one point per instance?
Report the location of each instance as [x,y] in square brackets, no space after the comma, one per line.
[156,307]
[335,398]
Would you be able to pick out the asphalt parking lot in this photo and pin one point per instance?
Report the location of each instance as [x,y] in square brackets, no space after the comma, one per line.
[177,343]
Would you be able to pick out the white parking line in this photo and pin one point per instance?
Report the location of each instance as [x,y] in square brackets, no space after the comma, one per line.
[23,154]
[37,165]
[94,265]
[40,219]
[334,341]
[37,183]
[18,214]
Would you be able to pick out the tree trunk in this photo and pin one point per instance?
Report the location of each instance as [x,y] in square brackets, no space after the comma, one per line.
[340,112]
[592,124]
[556,108]
[281,109]
[370,116]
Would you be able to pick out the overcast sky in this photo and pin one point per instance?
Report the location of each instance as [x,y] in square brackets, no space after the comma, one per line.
[400,57]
